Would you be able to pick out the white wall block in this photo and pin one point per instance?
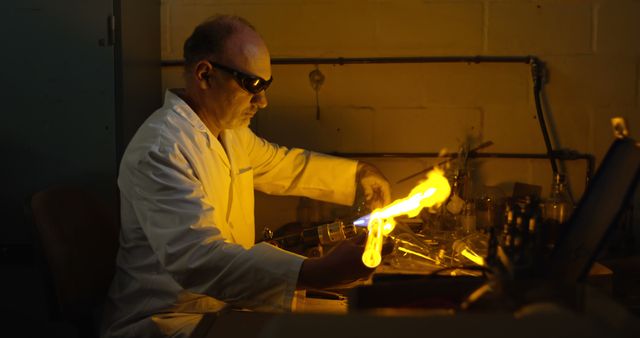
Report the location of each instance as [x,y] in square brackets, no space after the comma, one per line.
[354,127]
[570,126]
[618,27]
[291,86]
[295,126]
[591,79]
[373,85]
[430,28]
[476,84]
[185,17]
[513,129]
[540,27]
[407,85]
[426,130]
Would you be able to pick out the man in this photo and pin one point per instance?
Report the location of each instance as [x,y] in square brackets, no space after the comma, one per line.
[186,181]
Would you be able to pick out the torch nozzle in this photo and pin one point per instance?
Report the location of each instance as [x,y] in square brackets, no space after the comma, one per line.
[362,221]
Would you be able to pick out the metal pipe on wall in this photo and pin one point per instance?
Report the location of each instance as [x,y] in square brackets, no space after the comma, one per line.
[559,155]
[381,60]
[537,76]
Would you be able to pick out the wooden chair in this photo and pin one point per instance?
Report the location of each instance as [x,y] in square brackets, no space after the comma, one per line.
[76,231]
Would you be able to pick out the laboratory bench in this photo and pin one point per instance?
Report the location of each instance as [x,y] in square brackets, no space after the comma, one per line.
[354,312]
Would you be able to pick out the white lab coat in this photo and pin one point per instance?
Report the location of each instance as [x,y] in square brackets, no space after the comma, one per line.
[187,237]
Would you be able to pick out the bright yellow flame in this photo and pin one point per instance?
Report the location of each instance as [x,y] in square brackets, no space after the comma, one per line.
[431,192]
[387,228]
[372,255]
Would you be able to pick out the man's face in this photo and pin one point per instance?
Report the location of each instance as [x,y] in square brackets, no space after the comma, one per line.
[229,105]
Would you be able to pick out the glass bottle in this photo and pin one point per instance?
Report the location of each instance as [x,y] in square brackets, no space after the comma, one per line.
[456,201]
[468,219]
[490,208]
[557,208]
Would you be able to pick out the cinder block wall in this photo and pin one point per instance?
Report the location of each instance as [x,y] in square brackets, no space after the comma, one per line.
[591,50]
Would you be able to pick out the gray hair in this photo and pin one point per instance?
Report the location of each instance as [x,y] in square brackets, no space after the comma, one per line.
[208,38]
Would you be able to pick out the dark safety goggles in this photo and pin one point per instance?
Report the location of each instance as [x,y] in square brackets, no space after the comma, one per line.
[250,83]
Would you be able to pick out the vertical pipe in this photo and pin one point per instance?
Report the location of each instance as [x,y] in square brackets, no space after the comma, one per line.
[536,76]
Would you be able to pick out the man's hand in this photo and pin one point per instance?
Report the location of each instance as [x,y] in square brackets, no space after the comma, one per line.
[377,192]
[340,266]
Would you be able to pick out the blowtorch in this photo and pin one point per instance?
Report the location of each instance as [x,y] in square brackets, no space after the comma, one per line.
[325,234]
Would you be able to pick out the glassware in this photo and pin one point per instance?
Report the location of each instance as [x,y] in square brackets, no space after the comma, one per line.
[413,252]
[490,208]
[468,219]
[471,249]
[557,208]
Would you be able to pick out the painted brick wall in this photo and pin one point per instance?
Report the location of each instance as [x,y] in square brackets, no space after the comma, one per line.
[591,50]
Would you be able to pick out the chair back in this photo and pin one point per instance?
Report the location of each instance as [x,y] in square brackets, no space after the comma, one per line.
[77,232]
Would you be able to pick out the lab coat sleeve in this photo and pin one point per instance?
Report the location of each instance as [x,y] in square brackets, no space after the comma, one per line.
[178,221]
[292,171]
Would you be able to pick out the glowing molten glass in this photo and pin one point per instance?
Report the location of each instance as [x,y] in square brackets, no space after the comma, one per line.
[431,192]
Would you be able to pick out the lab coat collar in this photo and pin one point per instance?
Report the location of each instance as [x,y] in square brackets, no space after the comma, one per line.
[175,103]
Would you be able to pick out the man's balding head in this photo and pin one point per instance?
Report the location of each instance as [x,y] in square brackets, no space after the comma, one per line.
[210,37]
